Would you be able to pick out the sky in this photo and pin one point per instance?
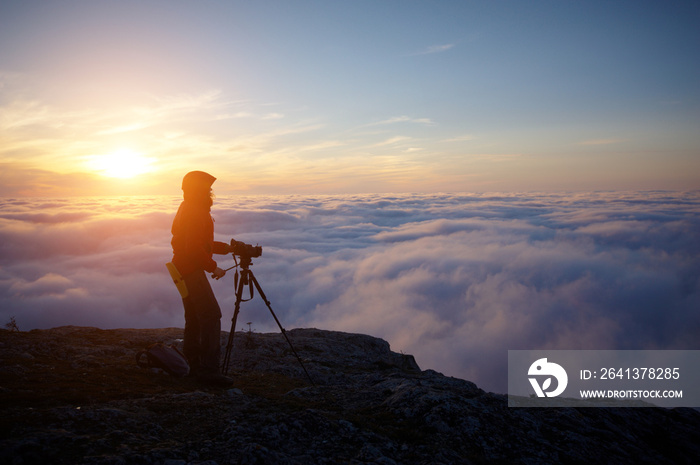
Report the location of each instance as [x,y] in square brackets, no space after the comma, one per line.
[323,97]
[456,280]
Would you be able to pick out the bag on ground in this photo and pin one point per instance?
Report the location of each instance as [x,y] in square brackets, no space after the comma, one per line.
[167,358]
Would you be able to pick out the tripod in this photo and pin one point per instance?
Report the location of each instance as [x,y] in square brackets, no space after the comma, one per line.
[248,278]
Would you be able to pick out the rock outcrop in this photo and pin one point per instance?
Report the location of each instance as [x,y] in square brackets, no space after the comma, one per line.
[74,395]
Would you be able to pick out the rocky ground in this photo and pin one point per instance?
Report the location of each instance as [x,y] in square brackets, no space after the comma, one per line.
[75,395]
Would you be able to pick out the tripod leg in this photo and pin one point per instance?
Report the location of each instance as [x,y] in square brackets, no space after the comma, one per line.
[229,344]
[284,333]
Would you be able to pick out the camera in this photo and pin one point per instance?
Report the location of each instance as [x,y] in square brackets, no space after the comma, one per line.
[245,250]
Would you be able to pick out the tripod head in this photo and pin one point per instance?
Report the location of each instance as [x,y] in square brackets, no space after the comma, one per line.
[245,262]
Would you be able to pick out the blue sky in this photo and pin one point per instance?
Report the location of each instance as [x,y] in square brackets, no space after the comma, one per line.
[367,96]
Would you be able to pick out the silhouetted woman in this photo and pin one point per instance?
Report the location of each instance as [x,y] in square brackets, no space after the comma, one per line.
[193,245]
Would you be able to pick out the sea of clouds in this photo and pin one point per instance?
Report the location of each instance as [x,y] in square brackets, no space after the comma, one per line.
[456,280]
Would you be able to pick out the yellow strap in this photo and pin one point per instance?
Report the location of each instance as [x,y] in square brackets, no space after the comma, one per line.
[177,279]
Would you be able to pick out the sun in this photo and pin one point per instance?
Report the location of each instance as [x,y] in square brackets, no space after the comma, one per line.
[122,163]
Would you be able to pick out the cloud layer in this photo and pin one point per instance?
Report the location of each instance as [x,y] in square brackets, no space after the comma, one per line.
[456,280]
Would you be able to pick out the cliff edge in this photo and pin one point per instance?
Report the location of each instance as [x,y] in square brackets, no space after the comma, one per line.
[74,395]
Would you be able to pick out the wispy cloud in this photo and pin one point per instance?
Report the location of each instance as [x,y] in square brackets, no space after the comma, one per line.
[22,113]
[464,138]
[239,114]
[404,119]
[248,115]
[433,49]
[392,141]
[122,129]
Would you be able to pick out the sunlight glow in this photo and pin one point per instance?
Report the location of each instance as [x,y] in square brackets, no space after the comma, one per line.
[123,163]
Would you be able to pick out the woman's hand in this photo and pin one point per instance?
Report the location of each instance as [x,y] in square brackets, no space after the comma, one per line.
[218,273]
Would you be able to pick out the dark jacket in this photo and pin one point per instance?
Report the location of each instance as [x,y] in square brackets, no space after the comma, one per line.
[193,239]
